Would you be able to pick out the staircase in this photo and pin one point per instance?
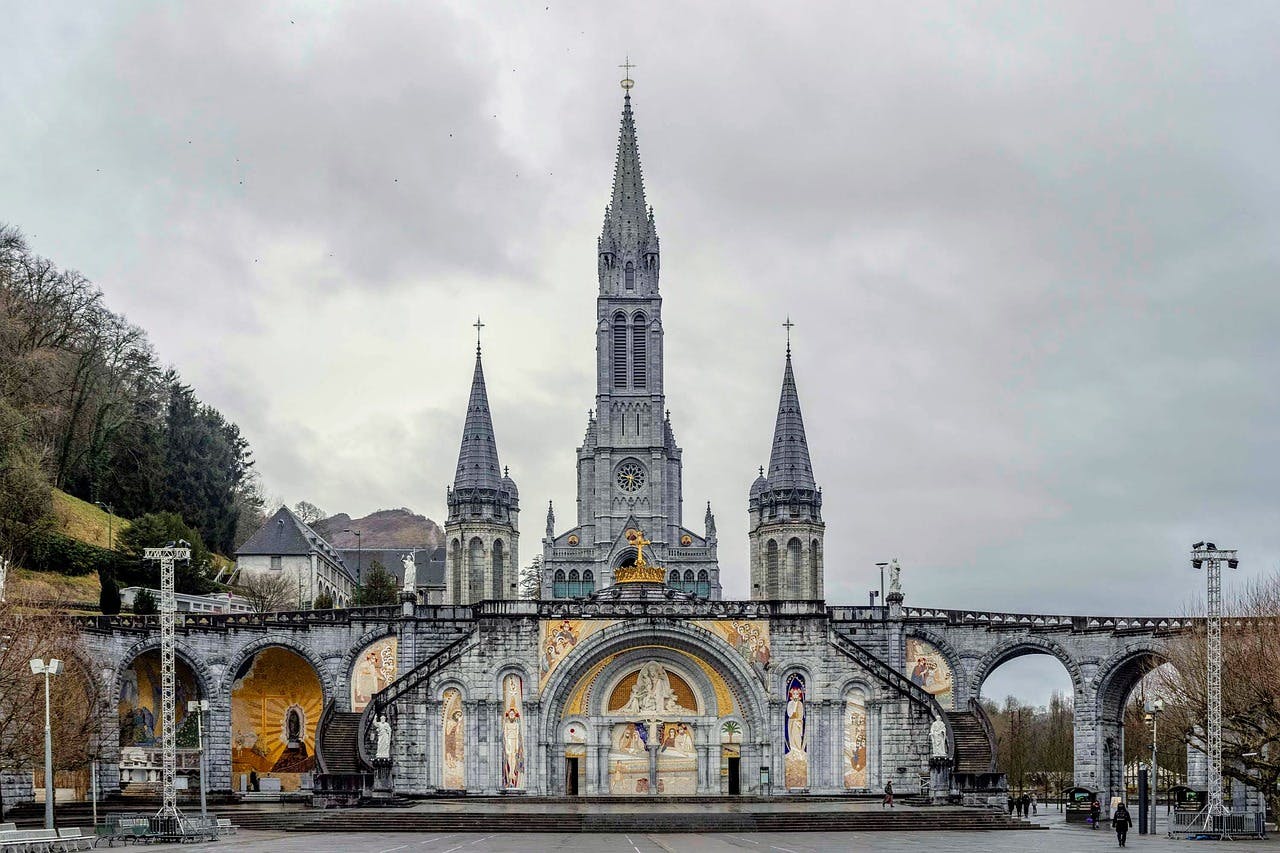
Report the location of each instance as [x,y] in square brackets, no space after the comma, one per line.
[339,744]
[973,749]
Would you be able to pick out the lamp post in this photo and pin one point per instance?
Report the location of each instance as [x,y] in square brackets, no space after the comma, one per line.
[52,667]
[111,512]
[881,567]
[1154,708]
[359,561]
[200,708]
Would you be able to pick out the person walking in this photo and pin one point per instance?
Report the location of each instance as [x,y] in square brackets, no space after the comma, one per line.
[1095,813]
[1033,803]
[1013,804]
[888,795]
[1024,803]
[1121,821]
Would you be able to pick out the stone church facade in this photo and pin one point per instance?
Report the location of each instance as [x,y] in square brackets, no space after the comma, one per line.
[630,676]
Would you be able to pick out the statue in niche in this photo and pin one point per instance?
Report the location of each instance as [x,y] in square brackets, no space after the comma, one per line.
[652,693]
[295,758]
[383,731]
[938,736]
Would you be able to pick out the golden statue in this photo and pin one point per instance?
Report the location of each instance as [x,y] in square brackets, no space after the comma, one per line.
[636,538]
[641,571]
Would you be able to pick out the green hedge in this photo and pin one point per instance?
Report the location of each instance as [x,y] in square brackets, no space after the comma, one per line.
[53,552]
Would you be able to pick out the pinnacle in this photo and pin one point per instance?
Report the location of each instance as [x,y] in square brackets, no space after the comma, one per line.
[478,465]
[789,464]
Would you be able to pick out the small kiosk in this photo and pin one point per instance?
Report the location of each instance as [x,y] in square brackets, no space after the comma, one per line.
[1187,799]
[1079,802]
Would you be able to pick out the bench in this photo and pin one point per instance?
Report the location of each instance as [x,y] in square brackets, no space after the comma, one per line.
[29,841]
[226,827]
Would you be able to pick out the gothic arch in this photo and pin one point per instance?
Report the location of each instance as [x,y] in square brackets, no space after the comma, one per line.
[352,655]
[606,680]
[1018,646]
[1118,675]
[204,675]
[954,659]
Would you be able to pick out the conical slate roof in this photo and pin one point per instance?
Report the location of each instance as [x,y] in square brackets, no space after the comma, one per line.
[627,220]
[789,465]
[478,458]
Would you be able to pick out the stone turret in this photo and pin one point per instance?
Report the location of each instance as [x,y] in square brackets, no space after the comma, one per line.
[482,532]
[785,510]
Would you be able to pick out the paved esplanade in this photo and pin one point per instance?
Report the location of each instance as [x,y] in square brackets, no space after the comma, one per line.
[1058,840]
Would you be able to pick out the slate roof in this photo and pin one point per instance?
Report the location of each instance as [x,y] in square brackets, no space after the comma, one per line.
[428,561]
[478,465]
[285,534]
[789,464]
[628,219]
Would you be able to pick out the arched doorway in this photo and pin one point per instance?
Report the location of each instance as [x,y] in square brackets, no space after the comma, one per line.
[139,713]
[276,702]
[1125,685]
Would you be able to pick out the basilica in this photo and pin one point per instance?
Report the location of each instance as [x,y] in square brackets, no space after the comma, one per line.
[630,675]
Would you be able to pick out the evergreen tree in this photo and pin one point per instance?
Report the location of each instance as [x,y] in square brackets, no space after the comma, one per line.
[324,601]
[380,586]
[109,598]
[157,529]
[144,603]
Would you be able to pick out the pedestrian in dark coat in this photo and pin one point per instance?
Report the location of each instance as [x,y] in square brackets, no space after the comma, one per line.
[1013,803]
[1095,813]
[1121,821]
[888,795]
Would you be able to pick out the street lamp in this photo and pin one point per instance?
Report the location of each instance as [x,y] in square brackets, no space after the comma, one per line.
[1154,708]
[881,567]
[200,708]
[53,667]
[359,561]
[111,514]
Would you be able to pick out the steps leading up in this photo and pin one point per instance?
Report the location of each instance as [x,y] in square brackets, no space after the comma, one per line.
[972,748]
[339,743]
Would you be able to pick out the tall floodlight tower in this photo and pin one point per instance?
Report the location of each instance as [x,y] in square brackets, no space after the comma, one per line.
[168,676]
[1208,555]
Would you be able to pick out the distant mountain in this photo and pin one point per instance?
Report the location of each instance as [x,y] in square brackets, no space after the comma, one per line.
[386,528]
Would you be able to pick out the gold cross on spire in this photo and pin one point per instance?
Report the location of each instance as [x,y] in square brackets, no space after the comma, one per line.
[627,82]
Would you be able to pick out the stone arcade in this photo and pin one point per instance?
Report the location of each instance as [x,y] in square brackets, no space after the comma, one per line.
[630,676]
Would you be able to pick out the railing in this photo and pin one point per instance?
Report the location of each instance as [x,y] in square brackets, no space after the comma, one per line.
[975,708]
[698,609]
[1045,621]
[892,677]
[322,729]
[414,677]
[284,618]
[1196,824]
[858,614]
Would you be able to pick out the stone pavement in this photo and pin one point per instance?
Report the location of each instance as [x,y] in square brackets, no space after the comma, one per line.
[1060,839]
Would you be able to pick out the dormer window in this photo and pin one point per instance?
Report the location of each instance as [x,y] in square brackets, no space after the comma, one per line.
[629,276]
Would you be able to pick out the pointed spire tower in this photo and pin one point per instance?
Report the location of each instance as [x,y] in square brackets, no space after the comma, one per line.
[628,244]
[785,508]
[482,532]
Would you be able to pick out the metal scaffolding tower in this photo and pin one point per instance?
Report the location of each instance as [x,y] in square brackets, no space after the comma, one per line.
[168,677]
[1208,555]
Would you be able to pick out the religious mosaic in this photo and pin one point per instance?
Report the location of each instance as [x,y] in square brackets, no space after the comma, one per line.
[513,763]
[557,638]
[795,733]
[749,637]
[276,701]
[138,705]
[629,759]
[855,741]
[677,760]
[454,769]
[375,669]
[926,667]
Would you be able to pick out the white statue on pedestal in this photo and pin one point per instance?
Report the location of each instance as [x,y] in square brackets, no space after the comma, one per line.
[938,735]
[410,573]
[895,580]
[383,730]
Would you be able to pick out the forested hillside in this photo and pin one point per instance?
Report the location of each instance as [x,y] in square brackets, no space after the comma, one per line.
[87,406]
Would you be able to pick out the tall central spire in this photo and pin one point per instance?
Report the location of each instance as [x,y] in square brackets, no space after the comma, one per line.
[627,220]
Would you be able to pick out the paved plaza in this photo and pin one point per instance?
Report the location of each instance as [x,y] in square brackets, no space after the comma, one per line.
[1059,838]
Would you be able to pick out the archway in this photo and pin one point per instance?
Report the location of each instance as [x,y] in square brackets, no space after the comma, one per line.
[276,702]
[1027,691]
[140,717]
[1125,683]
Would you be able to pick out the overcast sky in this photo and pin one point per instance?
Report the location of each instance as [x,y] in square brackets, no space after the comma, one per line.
[1031,254]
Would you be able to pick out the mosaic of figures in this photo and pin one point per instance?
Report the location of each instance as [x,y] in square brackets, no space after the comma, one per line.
[653,690]
[276,701]
[138,705]
[513,760]
[749,638]
[928,668]
[795,743]
[855,741]
[375,669]
[453,723]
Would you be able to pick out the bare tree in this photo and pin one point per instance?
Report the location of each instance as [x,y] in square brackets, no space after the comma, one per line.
[1250,688]
[267,592]
[308,512]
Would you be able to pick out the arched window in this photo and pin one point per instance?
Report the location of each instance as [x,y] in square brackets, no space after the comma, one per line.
[629,275]
[794,584]
[619,350]
[455,572]
[815,565]
[588,582]
[704,584]
[688,580]
[771,569]
[673,580]
[499,570]
[639,351]
[575,588]
[557,586]
[475,570]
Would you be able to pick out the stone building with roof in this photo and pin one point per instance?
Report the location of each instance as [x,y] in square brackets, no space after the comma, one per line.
[286,545]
